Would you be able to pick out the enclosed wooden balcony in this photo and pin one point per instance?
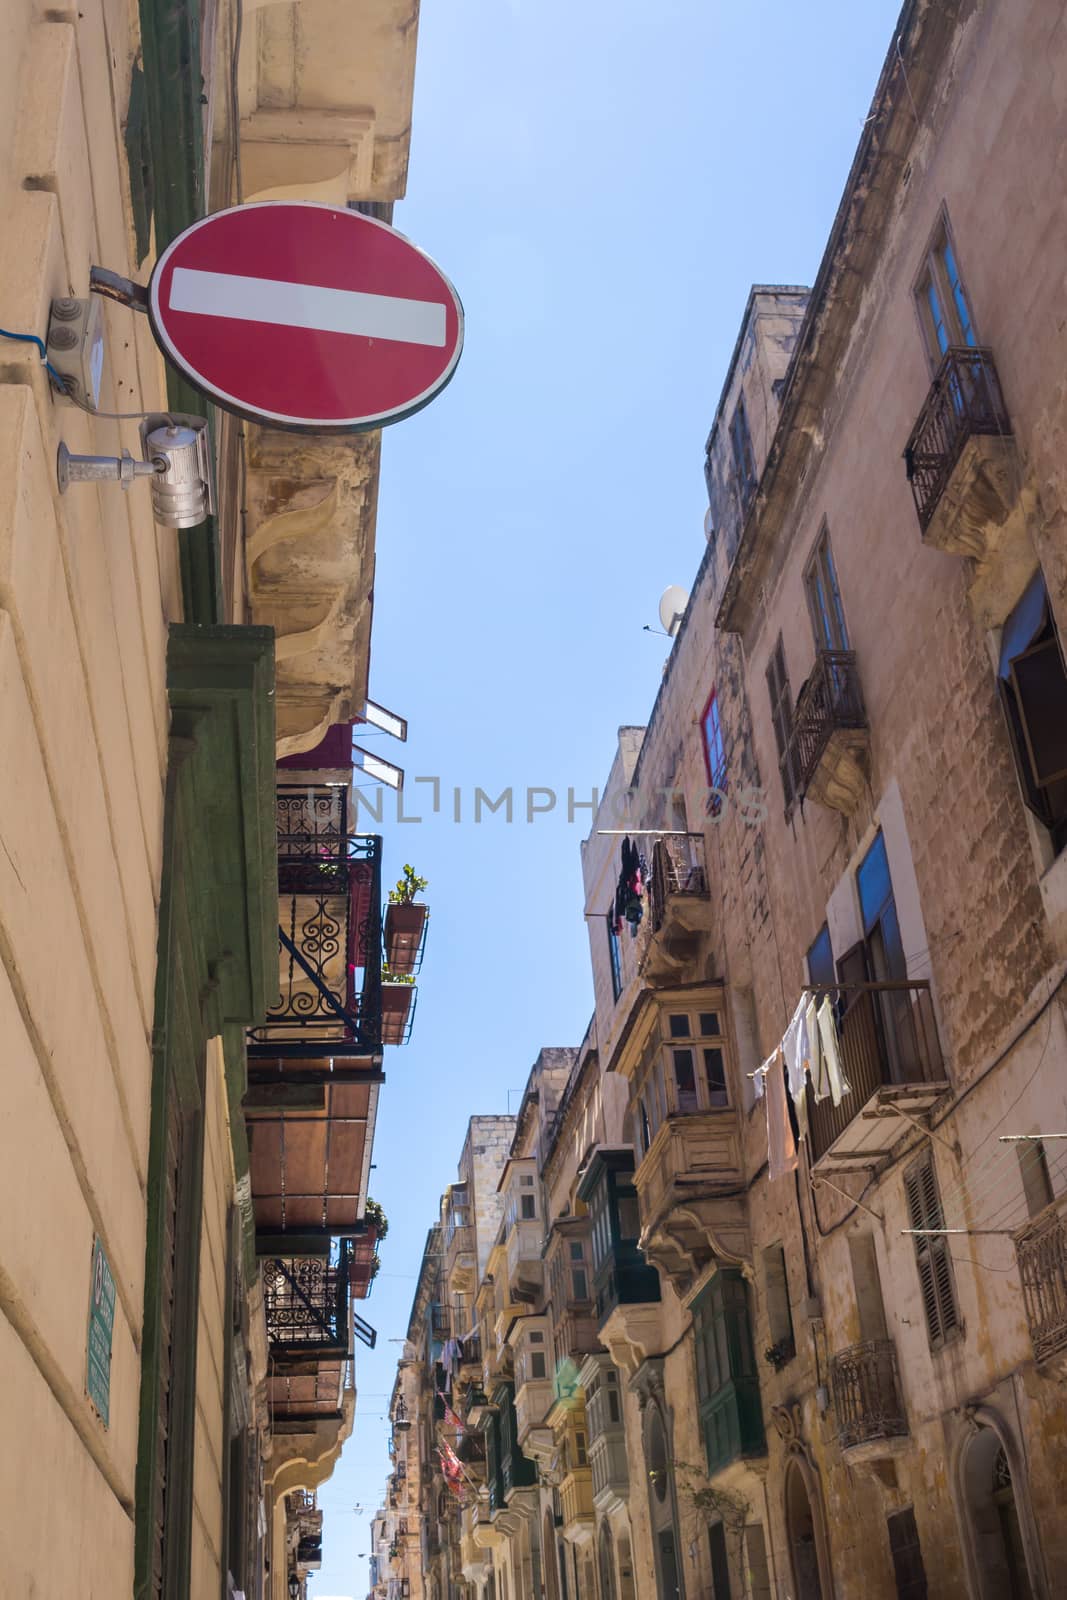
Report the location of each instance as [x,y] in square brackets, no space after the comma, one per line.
[679,907]
[866,1391]
[961,459]
[687,1184]
[891,1059]
[525,1267]
[1041,1252]
[829,743]
[576,1501]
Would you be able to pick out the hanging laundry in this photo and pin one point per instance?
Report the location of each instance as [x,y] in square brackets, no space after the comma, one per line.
[781,1146]
[835,1078]
[816,1062]
[794,1048]
[450,1355]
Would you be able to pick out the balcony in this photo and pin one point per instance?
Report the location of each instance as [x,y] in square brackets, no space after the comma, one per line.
[961,458]
[329,998]
[891,1059]
[309,1554]
[306,1303]
[679,907]
[575,1336]
[828,746]
[460,1264]
[525,1266]
[866,1391]
[576,1496]
[1041,1252]
[686,1219]
[440,1324]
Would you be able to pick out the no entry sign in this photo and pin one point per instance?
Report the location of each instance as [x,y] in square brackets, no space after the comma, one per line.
[306,316]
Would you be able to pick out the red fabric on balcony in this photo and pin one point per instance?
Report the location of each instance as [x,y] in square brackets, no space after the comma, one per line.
[360,906]
[335,750]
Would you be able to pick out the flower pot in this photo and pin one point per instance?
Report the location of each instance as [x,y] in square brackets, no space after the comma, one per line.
[397,1001]
[405,929]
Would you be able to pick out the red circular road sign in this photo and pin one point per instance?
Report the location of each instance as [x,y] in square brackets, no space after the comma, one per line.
[306,316]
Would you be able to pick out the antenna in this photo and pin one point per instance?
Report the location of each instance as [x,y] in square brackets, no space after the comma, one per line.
[672,608]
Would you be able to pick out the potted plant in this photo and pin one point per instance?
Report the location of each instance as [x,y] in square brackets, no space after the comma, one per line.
[405,923]
[398,994]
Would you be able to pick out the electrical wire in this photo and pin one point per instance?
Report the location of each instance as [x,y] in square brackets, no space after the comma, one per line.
[32,338]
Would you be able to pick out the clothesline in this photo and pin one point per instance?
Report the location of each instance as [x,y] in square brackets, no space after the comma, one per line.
[807,1051]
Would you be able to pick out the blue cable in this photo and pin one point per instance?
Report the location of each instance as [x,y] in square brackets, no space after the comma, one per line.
[31,338]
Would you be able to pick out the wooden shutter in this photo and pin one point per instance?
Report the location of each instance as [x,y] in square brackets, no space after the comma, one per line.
[931,1252]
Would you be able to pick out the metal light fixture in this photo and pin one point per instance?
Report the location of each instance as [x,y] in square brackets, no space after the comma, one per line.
[294,1586]
[176,459]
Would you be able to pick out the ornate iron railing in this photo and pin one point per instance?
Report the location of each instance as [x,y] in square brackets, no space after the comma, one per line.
[306,1300]
[1041,1251]
[830,699]
[866,1391]
[329,931]
[964,400]
[887,1035]
[678,867]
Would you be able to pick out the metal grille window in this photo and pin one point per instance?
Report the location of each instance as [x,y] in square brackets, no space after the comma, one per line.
[936,1281]
[782,718]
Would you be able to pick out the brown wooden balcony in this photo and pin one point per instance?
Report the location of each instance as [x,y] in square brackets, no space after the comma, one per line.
[866,1390]
[961,457]
[679,907]
[827,751]
[891,1059]
[687,1186]
[576,1502]
[1041,1251]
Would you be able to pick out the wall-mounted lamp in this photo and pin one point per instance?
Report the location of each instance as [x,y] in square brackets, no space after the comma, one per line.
[175,459]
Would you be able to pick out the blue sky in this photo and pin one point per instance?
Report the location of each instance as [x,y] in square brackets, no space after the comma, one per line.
[603,183]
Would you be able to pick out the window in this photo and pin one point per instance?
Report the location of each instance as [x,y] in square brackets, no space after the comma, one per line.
[714,744]
[1033,689]
[720,1565]
[614,956]
[779,1315]
[1033,1169]
[581,1458]
[715,1077]
[824,597]
[744,461]
[908,1569]
[881,929]
[678,1026]
[727,1387]
[529,1207]
[577,1250]
[537,1365]
[685,1081]
[821,959]
[782,718]
[936,1282]
[943,309]
[580,1284]
[709,1024]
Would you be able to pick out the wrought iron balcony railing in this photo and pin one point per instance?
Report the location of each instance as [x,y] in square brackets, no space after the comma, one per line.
[440,1322]
[888,1039]
[306,1300]
[329,931]
[866,1391]
[830,700]
[1041,1251]
[964,400]
[678,868]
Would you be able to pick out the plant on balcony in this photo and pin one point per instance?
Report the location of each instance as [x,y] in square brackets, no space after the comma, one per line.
[376,1218]
[405,923]
[407,887]
[397,994]
[375,1266]
[779,1355]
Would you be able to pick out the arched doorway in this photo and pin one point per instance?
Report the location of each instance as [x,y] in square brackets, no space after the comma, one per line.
[803,1543]
[993,1512]
[606,1560]
[662,1506]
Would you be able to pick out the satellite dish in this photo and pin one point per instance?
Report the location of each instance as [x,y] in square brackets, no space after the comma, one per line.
[672,608]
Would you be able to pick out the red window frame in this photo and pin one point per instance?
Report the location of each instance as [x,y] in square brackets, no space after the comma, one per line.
[717,774]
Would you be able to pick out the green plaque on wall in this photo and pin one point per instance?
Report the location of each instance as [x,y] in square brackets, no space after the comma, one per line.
[101,1323]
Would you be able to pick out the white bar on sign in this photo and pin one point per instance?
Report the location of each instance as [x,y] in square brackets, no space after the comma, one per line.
[302,305]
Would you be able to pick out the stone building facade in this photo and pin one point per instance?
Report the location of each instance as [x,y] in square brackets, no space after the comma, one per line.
[150,680]
[811,1340]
